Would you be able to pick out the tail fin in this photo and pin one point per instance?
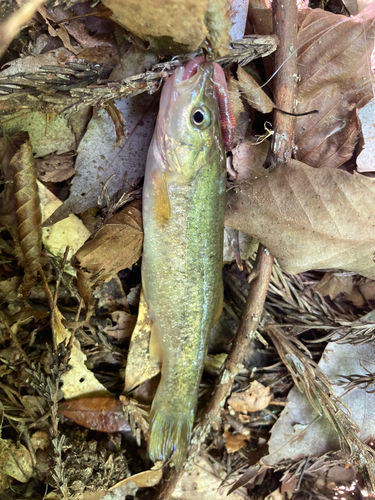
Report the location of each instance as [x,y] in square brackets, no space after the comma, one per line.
[170,431]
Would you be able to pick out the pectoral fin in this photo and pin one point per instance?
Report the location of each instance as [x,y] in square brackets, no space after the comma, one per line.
[162,203]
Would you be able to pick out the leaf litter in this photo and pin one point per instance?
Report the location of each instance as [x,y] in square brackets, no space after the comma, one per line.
[311,214]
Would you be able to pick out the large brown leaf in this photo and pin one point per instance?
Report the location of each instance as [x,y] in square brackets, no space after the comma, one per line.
[100,414]
[334,68]
[115,246]
[309,218]
[334,78]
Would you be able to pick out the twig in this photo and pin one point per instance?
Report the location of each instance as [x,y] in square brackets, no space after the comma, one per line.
[245,334]
[59,277]
[38,90]
[285,85]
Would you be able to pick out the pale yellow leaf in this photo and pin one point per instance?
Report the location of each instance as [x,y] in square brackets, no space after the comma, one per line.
[140,366]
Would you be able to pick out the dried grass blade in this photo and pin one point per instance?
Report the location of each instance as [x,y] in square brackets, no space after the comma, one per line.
[311,380]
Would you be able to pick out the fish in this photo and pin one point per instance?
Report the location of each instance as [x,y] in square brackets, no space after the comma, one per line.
[183,220]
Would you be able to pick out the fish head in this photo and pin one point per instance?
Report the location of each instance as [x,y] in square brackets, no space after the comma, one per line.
[189,132]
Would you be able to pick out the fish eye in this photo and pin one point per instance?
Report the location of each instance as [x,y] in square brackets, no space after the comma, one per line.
[201,118]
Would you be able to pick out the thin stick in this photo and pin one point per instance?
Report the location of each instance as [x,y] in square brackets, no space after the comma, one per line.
[59,277]
[285,82]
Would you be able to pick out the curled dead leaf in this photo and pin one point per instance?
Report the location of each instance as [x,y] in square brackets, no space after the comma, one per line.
[252,92]
[55,168]
[118,121]
[124,327]
[234,442]
[248,160]
[333,284]
[99,414]
[40,440]
[29,216]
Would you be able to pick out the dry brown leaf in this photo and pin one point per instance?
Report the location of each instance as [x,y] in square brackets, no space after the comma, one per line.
[140,366]
[59,32]
[111,296]
[116,245]
[204,482]
[252,92]
[83,30]
[40,440]
[255,398]
[368,289]
[248,160]
[176,23]
[335,78]
[55,168]
[234,442]
[332,284]
[15,461]
[235,97]
[9,288]
[309,218]
[99,414]
[29,215]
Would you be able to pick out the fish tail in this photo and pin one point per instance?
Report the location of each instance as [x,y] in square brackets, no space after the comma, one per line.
[170,431]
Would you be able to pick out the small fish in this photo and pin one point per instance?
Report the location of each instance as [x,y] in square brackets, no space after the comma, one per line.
[183,217]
